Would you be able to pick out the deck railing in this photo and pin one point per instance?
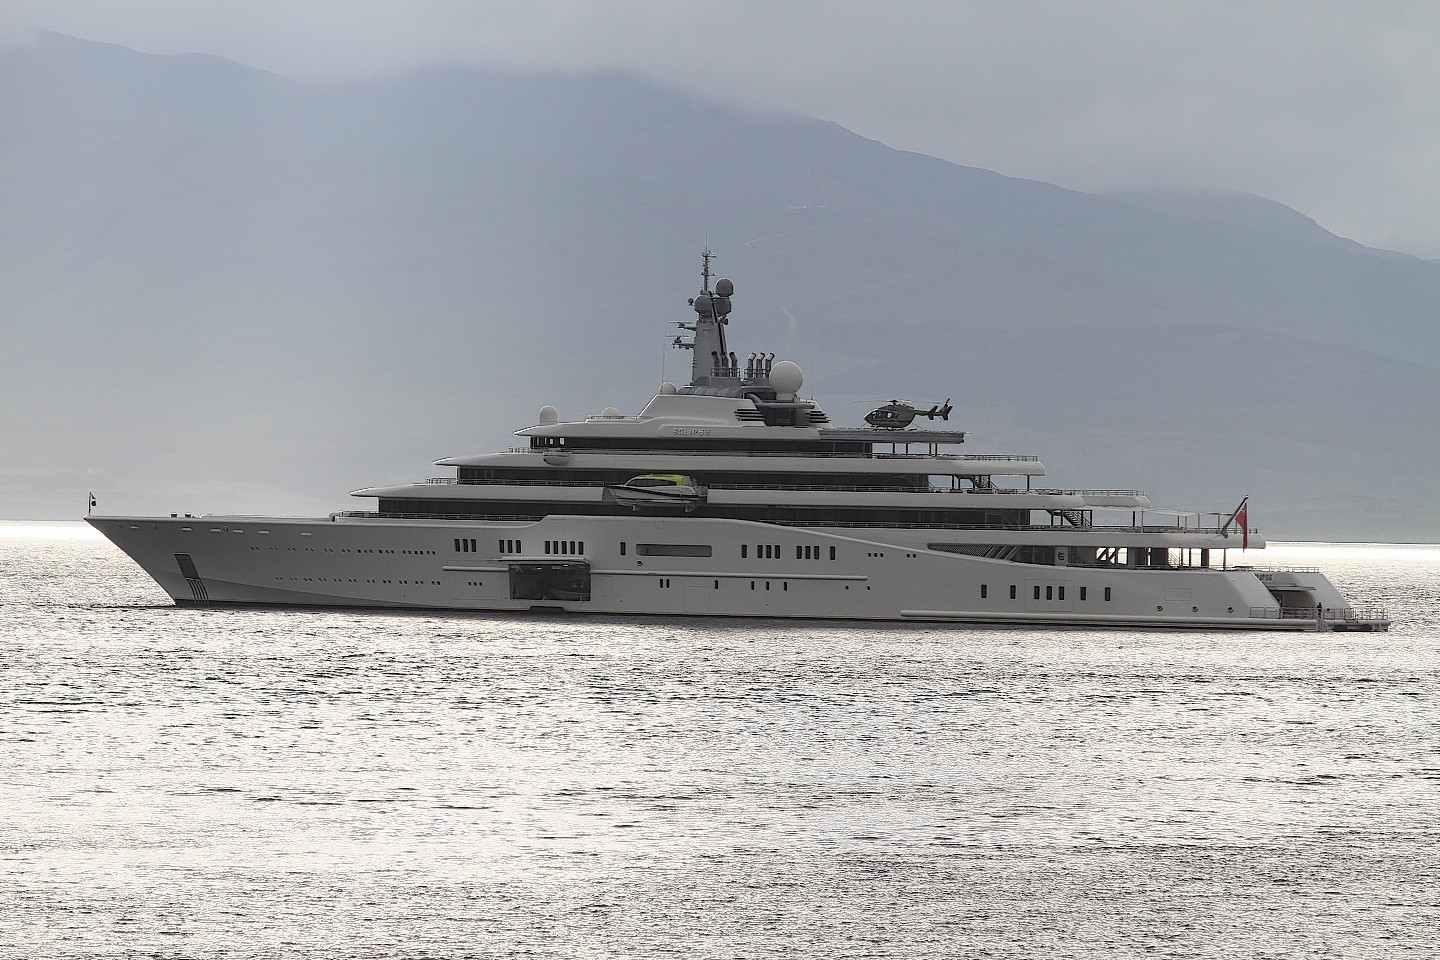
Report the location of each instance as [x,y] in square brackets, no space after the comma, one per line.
[1328,614]
[858,525]
[805,454]
[969,491]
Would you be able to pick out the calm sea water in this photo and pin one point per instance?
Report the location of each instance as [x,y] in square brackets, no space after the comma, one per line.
[202,783]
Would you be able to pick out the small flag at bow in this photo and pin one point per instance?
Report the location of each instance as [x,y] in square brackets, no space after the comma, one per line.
[92,503]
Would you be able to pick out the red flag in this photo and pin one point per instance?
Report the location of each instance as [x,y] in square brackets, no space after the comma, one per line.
[1242,518]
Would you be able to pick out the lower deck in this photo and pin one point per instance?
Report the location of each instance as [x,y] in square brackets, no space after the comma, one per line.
[637,565]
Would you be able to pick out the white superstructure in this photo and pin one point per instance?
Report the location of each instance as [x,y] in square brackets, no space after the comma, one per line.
[757,506]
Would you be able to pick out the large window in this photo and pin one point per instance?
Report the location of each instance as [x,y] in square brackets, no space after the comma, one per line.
[673,549]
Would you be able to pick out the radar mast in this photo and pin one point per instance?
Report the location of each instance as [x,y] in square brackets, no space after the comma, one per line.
[712,364]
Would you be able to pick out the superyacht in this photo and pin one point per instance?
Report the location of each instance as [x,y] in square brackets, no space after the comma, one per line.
[735,496]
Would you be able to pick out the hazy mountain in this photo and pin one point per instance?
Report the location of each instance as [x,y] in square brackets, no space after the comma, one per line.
[227,290]
[1241,210]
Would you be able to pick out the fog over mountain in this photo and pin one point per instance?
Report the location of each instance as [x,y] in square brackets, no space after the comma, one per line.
[228,290]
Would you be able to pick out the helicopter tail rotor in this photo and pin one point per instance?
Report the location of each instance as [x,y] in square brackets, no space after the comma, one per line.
[943,412]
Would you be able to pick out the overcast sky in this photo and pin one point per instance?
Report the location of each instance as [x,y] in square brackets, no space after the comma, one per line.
[1330,107]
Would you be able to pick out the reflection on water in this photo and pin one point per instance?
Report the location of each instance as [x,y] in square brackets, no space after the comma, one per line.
[183,782]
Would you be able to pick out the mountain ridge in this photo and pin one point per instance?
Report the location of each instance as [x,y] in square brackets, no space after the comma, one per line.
[257,279]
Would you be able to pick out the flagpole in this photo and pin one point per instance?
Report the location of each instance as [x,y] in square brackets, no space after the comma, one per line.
[1243,517]
[1225,527]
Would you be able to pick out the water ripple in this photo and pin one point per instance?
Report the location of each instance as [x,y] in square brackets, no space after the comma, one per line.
[202,783]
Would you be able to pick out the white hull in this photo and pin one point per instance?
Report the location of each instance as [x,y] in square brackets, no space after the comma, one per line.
[641,565]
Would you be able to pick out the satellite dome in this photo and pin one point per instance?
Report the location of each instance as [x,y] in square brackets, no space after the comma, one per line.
[703,305]
[549,415]
[724,288]
[667,388]
[786,377]
[610,413]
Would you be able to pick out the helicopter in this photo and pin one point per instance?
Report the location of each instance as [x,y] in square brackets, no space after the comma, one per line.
[898,414]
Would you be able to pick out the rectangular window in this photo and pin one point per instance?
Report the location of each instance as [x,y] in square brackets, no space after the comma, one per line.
[799,552]
[673,549]
[622,548]
[832,553]
[1037,592]
[1049,592]
[502,547]
[1082,593]
[1107,593]
[457,544]
[744,548]
[1012,591]
[1062,593]
[984,590]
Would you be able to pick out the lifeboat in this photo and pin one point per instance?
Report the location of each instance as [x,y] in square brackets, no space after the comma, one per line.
[659,490]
